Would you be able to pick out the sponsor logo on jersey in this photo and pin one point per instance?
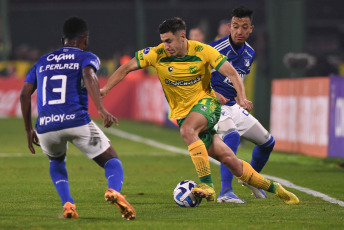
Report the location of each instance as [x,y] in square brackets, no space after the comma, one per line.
[146,51]
[198,48]
[60,57]
[183,83]
[204,108]
[55,118]
[193,69]
[170,69]
[247,62]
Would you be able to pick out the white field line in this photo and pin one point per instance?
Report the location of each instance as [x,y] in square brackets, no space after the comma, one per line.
[156,144]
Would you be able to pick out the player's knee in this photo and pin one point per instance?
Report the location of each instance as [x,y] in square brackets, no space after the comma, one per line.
[105,156]
[187,133]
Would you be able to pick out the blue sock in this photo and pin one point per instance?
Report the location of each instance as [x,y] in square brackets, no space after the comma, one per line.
[114,173]
[59,176]
[232,140]
[261,154]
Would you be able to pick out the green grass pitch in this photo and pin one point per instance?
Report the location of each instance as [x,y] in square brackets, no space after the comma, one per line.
[28,199]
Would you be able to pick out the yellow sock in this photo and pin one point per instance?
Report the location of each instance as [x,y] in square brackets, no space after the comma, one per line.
[199,156]
[252,177]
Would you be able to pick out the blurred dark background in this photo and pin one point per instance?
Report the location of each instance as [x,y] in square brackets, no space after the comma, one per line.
[30,28]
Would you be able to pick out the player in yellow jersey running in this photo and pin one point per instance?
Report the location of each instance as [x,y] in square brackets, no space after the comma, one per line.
[184,70]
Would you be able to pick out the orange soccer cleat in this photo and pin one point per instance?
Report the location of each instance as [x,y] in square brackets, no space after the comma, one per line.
[69,211]
[114,197]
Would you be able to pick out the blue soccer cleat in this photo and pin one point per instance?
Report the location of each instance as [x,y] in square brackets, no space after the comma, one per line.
[230,197]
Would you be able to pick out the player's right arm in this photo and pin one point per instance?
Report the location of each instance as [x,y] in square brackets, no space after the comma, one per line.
[25,102]
[228,70]
[118,75]
[219,62]
[92,85]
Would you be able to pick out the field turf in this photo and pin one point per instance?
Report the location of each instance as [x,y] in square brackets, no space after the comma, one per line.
[28,198]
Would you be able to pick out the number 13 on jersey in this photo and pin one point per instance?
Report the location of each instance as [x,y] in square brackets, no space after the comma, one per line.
[61,90]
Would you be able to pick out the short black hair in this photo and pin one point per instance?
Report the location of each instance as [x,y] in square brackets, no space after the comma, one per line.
[74,27]
[172,25]
[242,12]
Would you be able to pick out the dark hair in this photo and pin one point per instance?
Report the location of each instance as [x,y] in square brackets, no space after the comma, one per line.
[74,27]
[242,12]
[172,25]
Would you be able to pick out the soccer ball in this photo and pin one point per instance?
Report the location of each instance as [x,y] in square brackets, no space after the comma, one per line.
[182,194]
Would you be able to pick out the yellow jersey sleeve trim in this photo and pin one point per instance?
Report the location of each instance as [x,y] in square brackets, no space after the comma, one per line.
[221,63]
[137,60]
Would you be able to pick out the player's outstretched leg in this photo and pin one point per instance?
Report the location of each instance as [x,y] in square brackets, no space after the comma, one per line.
[251,177]
[260,155]
[232,140]
[114,197]
[69,211]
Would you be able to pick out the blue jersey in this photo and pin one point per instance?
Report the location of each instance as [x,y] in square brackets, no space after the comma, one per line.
[62,99]
[240,61]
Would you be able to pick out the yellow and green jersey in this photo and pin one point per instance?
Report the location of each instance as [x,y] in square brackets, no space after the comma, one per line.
[184,80]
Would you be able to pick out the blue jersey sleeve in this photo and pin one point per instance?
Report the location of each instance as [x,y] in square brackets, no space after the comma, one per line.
[31,76]
[92,60]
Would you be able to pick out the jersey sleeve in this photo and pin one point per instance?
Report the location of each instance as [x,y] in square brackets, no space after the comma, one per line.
[31,76]
[214,57]
[146,57]
[92,60]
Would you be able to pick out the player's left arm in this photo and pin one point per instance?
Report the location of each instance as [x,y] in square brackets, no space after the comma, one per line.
[228,70]
[92,85]
[25,101]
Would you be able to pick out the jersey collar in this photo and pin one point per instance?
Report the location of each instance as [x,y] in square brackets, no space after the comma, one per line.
[71,47]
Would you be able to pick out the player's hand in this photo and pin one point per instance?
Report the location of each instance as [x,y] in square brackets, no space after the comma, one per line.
[221,98]
[246,104]
[103,92]
[108,119]
[32,139]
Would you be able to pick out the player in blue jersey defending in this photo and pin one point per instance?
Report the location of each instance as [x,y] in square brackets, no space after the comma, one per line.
[236,121]
[63,79]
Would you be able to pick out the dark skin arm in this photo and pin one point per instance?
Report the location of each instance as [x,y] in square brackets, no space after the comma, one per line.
[92,85]
[25,101]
